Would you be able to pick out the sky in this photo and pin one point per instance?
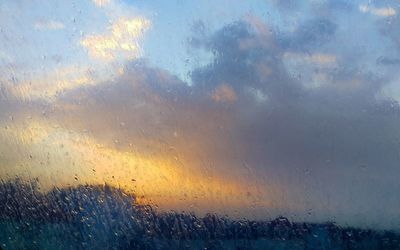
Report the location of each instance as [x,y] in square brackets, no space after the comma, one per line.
[252,109]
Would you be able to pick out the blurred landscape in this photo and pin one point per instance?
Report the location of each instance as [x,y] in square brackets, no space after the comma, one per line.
[104,217]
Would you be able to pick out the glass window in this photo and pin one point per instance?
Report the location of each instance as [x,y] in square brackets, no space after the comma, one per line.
[226,124]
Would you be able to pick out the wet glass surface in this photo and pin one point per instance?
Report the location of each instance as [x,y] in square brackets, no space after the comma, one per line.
[260,124]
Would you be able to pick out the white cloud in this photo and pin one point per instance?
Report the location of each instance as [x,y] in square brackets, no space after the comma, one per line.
[121,42]
[101,3]
[49,25]
[391,91]
[5,57]
[383,12]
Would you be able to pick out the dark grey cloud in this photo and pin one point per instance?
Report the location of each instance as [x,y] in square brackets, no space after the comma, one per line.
[245,58]
[313,33]
[342,5]
[351,95]
[388,61]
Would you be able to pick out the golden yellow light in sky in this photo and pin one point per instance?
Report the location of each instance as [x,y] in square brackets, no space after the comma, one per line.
[48,86]
[59,157]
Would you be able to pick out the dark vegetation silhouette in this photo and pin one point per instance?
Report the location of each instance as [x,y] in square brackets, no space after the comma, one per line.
[104,217]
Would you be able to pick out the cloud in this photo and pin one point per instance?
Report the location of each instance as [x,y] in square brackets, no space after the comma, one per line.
[391,91]
[224,93]
[286,4]
[317,58]
[141,110]
[330,130]
[101,3]
[122,40]
[49,25]
[311,34]
[342,5]
[48,86]
[388,61]
[4,57]
[390,30]
[382,12]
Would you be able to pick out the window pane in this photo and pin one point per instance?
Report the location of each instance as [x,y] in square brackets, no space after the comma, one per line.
[199,124]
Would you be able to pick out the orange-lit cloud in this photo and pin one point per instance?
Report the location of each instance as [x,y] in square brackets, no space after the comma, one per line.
[224,93]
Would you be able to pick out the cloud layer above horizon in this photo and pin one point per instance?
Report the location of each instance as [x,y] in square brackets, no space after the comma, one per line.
[268,108]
